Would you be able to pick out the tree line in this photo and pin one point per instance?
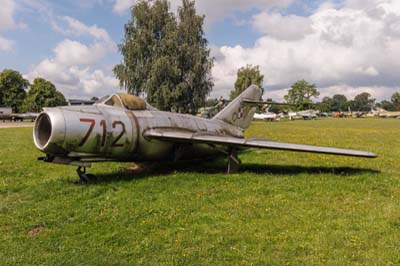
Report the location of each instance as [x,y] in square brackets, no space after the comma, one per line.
[17,93]
[302,93]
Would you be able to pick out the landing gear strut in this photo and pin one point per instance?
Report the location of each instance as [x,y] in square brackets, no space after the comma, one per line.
[233,162]
[83,177]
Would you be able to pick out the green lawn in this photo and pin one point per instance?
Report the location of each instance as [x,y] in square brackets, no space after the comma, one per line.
[283,208]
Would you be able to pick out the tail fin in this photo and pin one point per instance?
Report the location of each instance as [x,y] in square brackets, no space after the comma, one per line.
[237,113]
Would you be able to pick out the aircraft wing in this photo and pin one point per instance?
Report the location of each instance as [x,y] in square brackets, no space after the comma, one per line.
[190,137]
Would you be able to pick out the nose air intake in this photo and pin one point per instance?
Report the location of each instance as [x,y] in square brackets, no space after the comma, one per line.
[42,131]
[49,132]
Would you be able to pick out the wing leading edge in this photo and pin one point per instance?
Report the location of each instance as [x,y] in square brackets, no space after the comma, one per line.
[189,137]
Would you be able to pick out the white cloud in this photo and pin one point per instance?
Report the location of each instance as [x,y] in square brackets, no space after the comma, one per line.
[214,10]
[121,6]
[6,45]
[218,10]
[73,68]
[378,92]
[70,52]
[290,27]
[347,45]
[77,28]
[7,11]
[7,23]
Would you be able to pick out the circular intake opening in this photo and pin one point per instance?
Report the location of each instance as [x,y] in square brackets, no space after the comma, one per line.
[42,130]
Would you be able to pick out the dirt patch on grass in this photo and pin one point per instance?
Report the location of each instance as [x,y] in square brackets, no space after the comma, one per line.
[36,231]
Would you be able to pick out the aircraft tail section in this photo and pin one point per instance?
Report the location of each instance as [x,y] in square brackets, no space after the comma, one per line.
[238,113]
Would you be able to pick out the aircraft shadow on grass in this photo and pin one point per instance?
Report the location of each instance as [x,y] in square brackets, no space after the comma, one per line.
[161,169]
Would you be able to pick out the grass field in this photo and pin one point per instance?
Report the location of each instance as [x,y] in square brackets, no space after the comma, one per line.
[283,208]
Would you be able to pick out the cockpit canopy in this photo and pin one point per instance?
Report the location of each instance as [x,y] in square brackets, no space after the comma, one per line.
[128,101]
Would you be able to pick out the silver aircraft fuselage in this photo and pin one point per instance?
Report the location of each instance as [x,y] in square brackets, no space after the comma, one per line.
[101,132]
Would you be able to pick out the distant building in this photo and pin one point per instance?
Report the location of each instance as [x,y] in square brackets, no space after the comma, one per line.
[80,102]
[4,110]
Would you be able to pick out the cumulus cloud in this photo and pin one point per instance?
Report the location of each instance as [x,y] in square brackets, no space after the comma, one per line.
[76,28]
[70,52]
[6,45]
[71,67]
[121,6]
[214,10]
[218,10]
[7,23]
[348,45]
[290,27]
[7,11]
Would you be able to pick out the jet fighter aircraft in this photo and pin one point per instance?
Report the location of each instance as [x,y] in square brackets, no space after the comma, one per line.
[306,115]
[387,114]
[268,116]
[124,127]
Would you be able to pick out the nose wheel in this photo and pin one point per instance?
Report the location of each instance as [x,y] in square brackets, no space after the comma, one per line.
[85,178]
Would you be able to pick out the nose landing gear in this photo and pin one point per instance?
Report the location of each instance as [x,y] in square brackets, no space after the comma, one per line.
[85,178]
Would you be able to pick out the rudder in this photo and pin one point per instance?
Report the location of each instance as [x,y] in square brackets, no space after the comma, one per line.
[237,113]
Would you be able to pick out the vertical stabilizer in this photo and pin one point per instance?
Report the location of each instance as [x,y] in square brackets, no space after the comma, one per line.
[237,113]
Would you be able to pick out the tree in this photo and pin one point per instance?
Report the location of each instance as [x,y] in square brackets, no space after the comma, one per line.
[362,102]
[42,94]
[301,93]
[396,100]
[387,105]
[339,103]
[165,57]
[211,102]
[194,62]
[12,89]
[247,76]
[323,107]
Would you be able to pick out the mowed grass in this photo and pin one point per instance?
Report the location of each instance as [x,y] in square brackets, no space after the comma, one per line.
[283,208]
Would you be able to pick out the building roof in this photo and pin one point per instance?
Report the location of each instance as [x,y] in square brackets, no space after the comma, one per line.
[80,102]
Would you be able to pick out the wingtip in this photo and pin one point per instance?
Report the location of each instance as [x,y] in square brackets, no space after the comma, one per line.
[373,155]
[369,155]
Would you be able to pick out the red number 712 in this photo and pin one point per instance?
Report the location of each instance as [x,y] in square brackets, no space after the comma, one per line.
[103,124]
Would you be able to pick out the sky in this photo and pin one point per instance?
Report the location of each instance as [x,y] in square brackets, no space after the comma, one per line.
[343,46]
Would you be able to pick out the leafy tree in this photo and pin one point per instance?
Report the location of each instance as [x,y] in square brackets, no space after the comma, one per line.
[166,57]
[247,76]
[301,93]
[396,100]
[274,108]
[323,107]
[211,102]
[194,62]
[12,89]
[387,105]
[362,102]
[339,103]
[42,94]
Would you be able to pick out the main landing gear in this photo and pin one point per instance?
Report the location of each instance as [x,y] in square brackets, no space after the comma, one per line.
[233,161]
[85,178]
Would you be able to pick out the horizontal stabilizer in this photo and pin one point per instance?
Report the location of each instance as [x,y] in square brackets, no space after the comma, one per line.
[189,137]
